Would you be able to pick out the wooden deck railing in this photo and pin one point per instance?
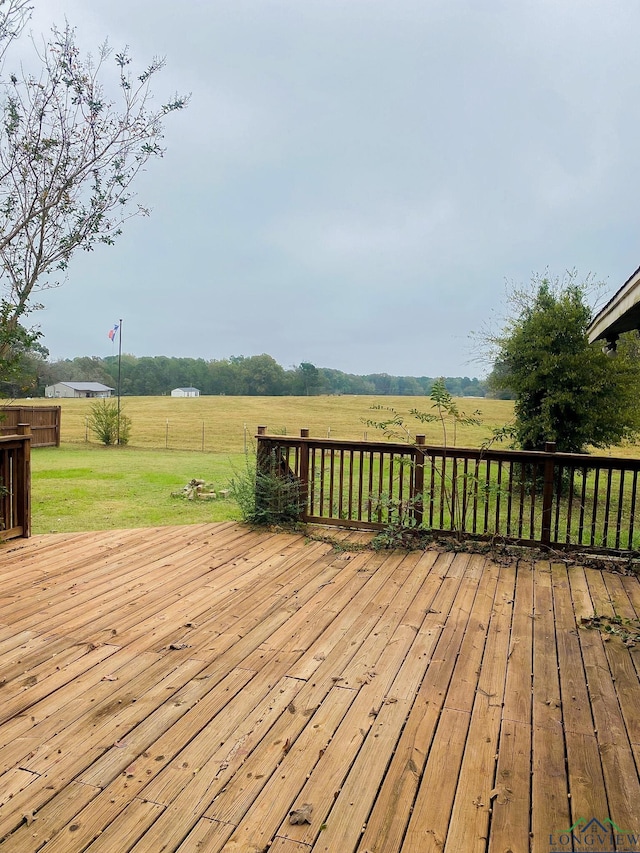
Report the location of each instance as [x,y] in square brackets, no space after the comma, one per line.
[15,483]
[558,500]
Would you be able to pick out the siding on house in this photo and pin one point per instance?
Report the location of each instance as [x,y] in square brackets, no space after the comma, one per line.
[78,389]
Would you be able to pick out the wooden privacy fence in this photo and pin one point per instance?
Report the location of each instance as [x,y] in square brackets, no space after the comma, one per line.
[559,500]
[43,420]
[15,483]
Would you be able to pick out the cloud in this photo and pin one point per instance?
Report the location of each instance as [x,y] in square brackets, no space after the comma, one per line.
[349,170]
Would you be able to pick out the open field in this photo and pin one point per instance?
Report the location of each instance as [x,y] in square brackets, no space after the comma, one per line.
[177,423]
[84,486]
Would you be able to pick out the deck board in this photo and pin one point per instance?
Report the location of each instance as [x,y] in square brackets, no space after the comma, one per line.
[183,689]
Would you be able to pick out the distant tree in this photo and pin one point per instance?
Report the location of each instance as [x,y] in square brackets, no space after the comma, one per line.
[20,355]
[307,379]
[69,154]
[567,390]
[257,375]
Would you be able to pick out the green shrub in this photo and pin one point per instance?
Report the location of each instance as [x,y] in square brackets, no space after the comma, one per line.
[108,424]
[266,497]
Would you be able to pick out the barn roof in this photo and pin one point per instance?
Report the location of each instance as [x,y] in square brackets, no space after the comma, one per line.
[86,386]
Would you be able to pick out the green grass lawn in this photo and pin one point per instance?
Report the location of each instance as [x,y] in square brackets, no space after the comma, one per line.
[84,486]
[87,487]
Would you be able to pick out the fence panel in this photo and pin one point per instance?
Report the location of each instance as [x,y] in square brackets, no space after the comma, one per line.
[529,497]
[43,420]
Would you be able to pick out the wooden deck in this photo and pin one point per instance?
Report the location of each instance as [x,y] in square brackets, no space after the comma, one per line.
[184,689]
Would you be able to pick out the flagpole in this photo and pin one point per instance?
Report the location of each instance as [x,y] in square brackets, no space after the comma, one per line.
[119,373]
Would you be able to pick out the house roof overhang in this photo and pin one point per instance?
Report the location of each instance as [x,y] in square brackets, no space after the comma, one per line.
[620,314]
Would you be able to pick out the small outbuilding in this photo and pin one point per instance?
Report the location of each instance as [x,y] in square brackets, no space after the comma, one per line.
[185,392]
[78,389]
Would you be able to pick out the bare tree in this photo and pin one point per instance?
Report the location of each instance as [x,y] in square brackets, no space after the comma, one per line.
[69,154]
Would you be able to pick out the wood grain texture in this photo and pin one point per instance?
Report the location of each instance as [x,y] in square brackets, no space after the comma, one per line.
[183,689]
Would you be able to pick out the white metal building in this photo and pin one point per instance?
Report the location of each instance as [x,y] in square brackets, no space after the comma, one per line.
[185,392]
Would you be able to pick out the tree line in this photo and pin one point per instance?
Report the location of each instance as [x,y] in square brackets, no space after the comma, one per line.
[256,375]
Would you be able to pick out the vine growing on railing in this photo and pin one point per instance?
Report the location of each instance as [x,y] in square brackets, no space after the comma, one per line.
[266,494]
[449,416]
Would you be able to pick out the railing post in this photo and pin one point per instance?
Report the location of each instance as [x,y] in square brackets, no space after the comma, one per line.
[262,466]
[547,492]
[23,481]
[418,480]
[304,475]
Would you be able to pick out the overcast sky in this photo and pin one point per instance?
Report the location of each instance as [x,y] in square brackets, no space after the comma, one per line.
[355,180]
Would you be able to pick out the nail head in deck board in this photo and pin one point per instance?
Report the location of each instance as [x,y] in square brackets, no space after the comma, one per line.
[272,779]
[623,671]
[287,845]
[191,800]
[374,596]
[248,716]
[124,831]
[347,815]
[50,819]
[517,700]
[510,798]
[429,824]
[391,813]
[170,724]
[207,835]
[470,814]
[576,710]
[58,679]
[618,766]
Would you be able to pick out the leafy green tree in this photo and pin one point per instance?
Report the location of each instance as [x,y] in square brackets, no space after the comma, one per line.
[19,349]
[306,379]
[566,389]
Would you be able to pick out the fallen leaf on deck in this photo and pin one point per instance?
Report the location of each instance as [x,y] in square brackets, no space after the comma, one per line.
[29,817]
[179,646]
[301,815]
[109,678]
[500,794]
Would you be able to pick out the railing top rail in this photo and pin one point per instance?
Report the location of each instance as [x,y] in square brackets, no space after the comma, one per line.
[577,460]
[15,438]
[296,441]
